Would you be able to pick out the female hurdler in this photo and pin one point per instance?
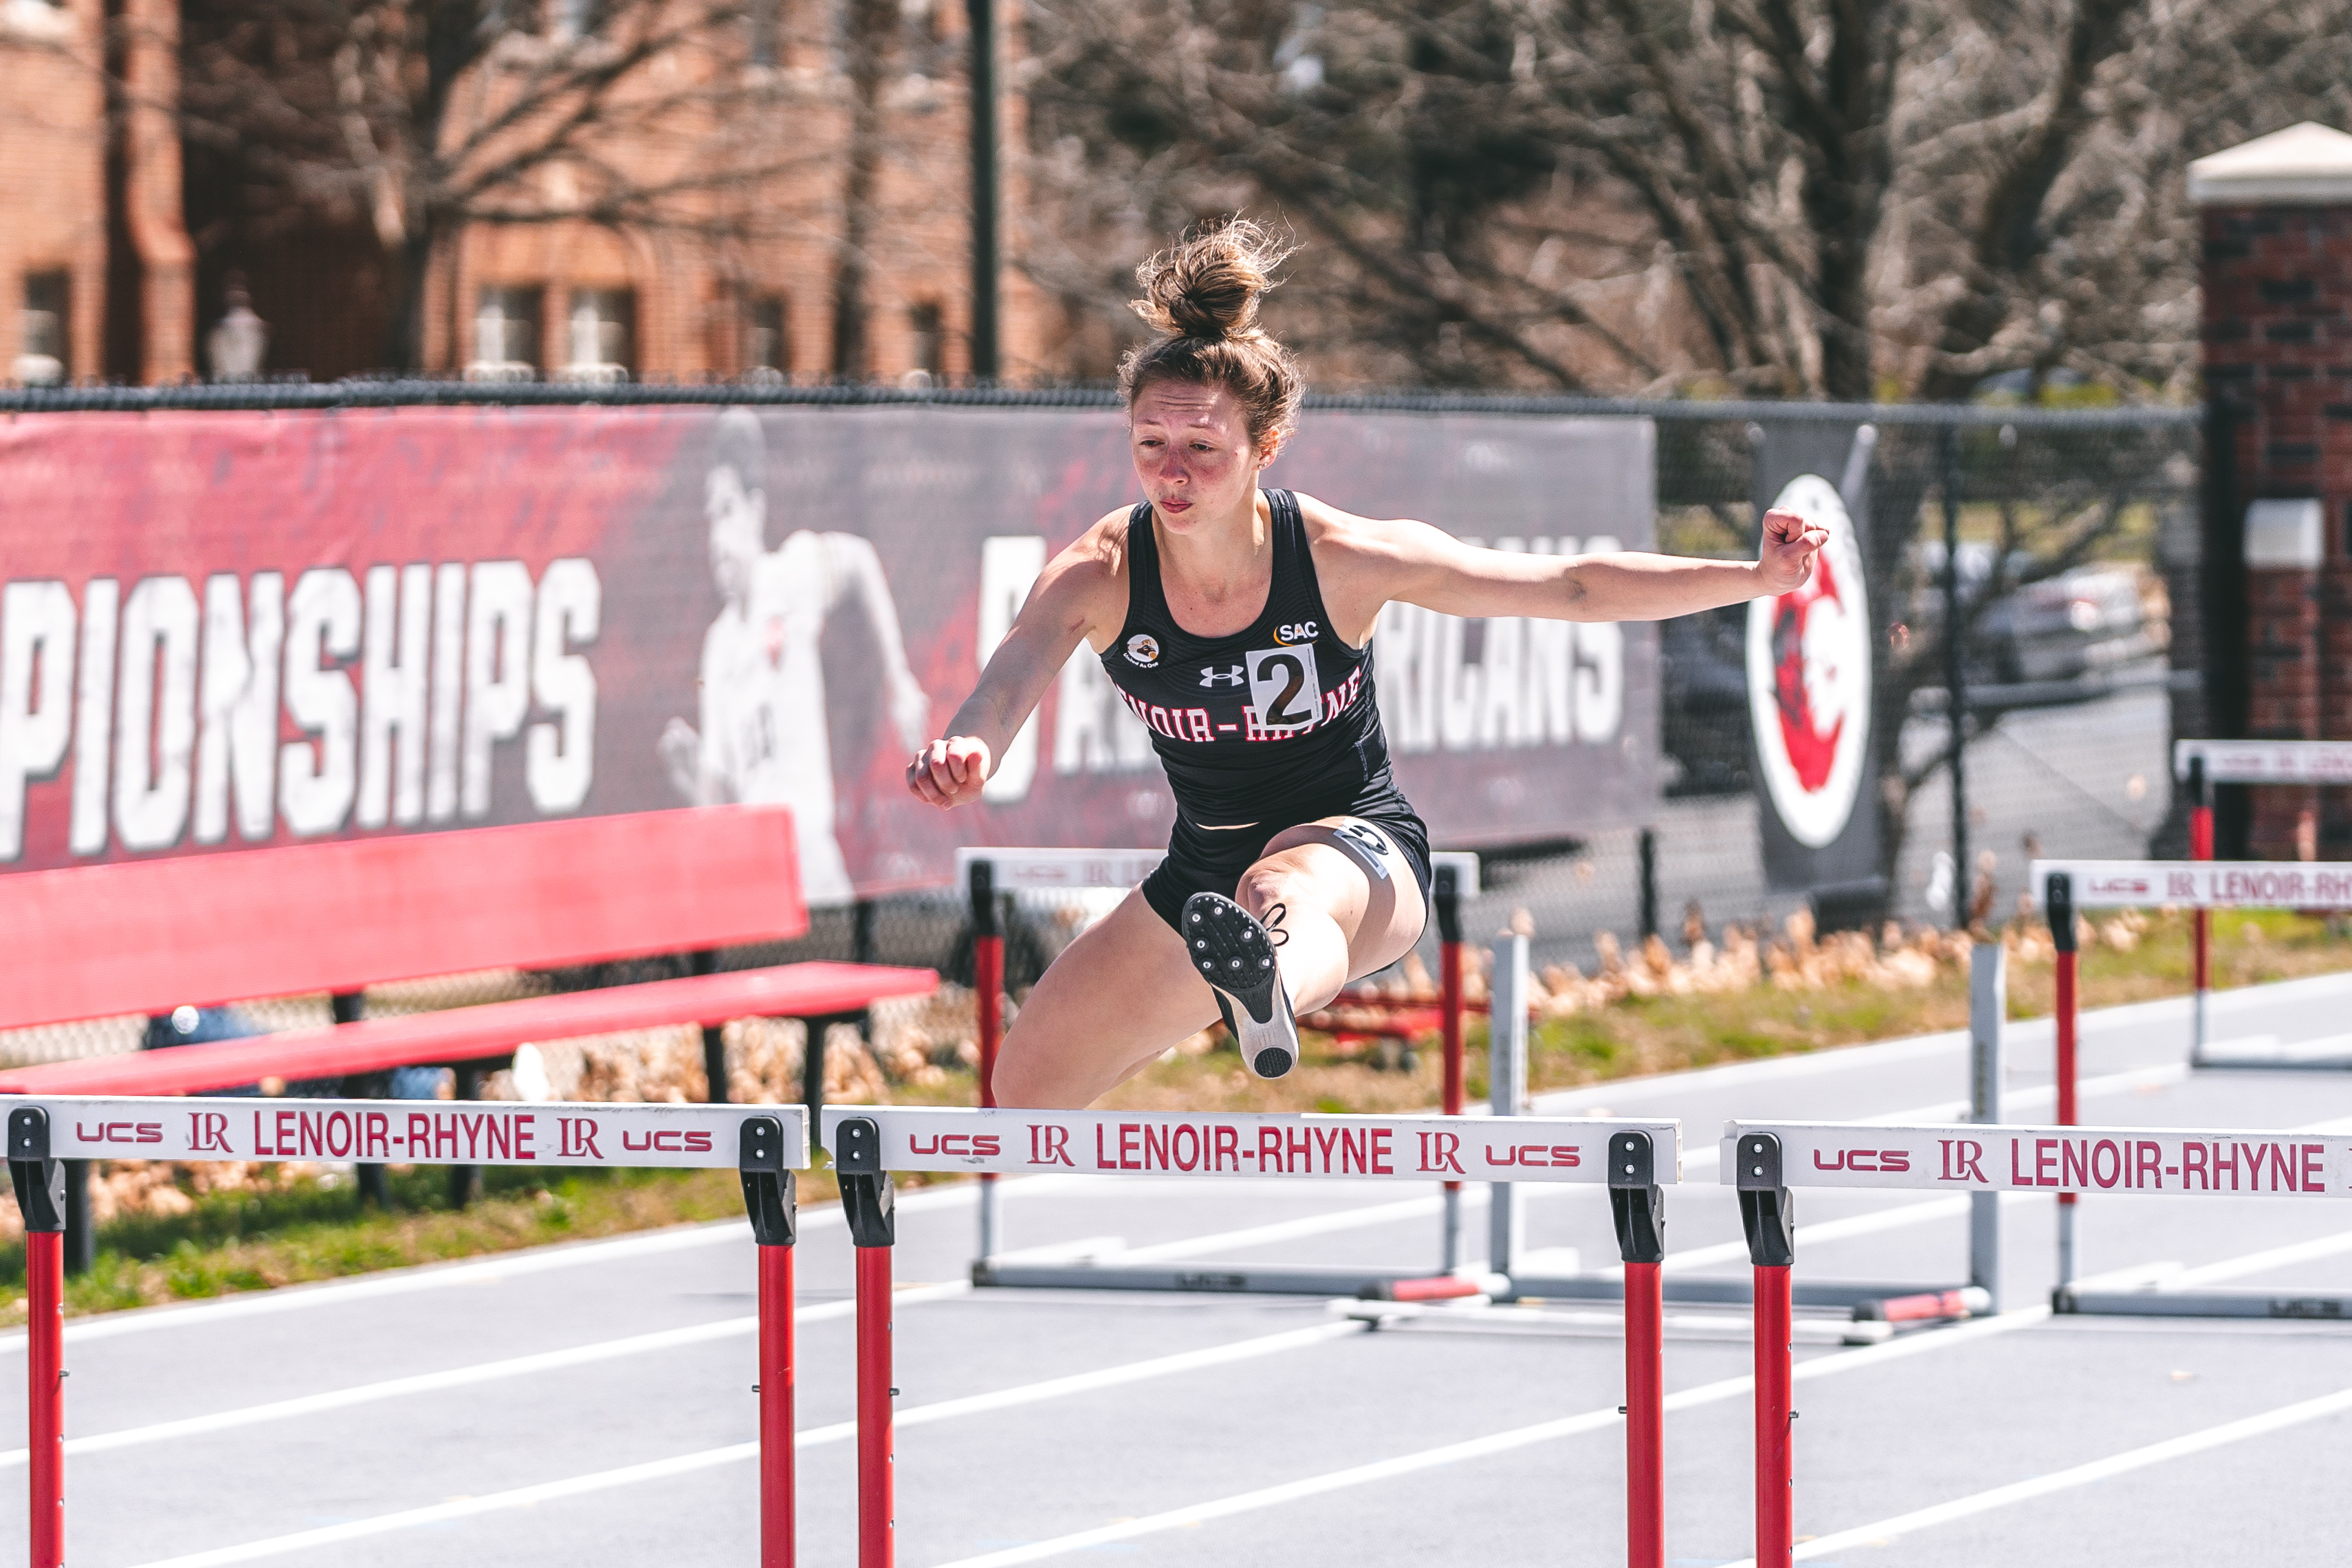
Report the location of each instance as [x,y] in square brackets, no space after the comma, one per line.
[1238,620]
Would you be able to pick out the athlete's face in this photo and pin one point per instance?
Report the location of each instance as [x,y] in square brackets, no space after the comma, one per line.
[739,523]
[1193,453]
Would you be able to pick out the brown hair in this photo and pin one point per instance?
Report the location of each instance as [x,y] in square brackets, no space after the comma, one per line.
[1201,295]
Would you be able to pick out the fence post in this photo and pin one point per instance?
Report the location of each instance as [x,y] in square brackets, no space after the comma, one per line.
[988,992]
[40,1188]
[1987,1011]
[1767,1215]
[1649,858]
[870,1206]
[1639,1208]
[2059,900]
[714,1036]
[770,1195]
[1506,1083]
[1956,690]
[1446,894]
[2200,919]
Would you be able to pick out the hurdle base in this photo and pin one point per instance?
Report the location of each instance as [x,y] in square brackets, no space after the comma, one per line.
[2248,1304]
[1211,1279]
[1842,1295]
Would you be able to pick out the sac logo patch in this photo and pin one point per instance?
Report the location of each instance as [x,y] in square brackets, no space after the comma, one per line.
[1143,649]
[1296,632]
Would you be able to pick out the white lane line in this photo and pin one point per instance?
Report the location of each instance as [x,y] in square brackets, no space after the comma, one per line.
[465,1377]
[1480,1448]
[2260,1262]
[489,1270]
[733,1453]
[2228,1432]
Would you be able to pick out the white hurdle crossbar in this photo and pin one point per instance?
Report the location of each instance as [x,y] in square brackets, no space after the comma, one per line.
[765,1142]
[1765,1159]
[985,872]
[1633,1159]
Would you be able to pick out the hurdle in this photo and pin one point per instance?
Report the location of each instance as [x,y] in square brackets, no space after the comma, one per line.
[1880,1300]
[765,1142]
[987,872]
[1763,1160]
[2067,885]
[2202,765]
[1635,1159]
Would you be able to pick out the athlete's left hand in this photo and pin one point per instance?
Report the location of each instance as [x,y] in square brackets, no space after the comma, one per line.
[1786,559]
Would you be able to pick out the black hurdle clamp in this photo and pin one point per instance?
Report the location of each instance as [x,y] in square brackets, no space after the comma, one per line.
[2058,902]
[771,1192]
[39,1181]
[1446,894]
[983,898]
[1636,1202]
[1767,1211]
[867,1199]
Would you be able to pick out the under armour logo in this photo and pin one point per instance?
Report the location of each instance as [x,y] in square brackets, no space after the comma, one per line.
[1212,675]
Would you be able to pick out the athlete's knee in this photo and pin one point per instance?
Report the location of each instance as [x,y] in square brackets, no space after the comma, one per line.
[1270,882]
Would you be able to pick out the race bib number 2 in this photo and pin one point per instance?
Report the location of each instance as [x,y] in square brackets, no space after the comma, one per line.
[1284,693]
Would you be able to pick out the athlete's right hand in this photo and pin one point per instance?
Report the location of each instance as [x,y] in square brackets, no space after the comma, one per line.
[949,772]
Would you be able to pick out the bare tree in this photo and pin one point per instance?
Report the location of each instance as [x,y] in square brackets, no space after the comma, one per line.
[428,116]
[1804,198]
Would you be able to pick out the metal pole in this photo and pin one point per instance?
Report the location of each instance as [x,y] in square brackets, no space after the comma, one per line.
[40,1182]
[1649,857]
[1987,1011]
[714,1036]
[1506,1077]
[1448,896]
[988,992]
[2060,902]
[985,359]
[1955,697]
[1768,1216]
[871,1207]
[769,1196]
[2200,848]
[1639,1208]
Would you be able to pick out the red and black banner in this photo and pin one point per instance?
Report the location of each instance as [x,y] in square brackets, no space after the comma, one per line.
[220,630]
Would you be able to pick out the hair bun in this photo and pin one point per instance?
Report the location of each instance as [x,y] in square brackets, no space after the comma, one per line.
[1207,286]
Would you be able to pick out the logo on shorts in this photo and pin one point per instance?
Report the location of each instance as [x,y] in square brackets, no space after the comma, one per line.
[1143,649]
[1232,677]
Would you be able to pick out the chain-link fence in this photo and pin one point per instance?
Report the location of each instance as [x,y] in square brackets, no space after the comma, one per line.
[2065,545]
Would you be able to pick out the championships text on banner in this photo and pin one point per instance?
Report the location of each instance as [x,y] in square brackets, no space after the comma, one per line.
[2270,1164]
[2200,884]
[409,1132]
[1176,1143]
[462,617]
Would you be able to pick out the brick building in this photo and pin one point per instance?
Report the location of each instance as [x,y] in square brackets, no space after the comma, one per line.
[95,215]
[94,262]
[2277,276]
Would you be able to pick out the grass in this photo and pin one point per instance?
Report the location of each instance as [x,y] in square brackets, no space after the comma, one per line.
[317,1228]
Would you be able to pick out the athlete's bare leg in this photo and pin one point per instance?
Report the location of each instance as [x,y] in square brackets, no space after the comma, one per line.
[1126,989]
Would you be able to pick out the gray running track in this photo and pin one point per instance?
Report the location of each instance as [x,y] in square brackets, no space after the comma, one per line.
[1941,1416]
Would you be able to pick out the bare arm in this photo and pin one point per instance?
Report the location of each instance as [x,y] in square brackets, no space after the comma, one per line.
[1074,591]
[1426,565]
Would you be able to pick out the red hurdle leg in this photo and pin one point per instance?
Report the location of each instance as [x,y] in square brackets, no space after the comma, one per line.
[870,1206]
[777,1547]
[40,1185]
[1639,1207]
[1645,1417]
[987,991]
[1776,1523]
[2200,848]
[2058,899]
[1766,1213]
[771,1195]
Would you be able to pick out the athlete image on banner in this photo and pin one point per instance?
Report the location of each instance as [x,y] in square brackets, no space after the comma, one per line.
[763,737]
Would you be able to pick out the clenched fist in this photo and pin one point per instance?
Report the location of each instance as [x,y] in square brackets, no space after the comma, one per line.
[951,773]
[1786,559]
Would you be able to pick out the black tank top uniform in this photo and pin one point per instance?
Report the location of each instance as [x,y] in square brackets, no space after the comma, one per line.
[1274,726]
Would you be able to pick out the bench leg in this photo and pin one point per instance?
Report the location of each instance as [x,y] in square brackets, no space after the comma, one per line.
[466,1181]
[81,1236]
[714,1062]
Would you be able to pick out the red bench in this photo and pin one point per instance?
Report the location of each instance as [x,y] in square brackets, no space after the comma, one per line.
[148,936]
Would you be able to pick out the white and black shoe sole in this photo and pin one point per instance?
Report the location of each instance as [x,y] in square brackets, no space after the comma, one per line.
[1234,954]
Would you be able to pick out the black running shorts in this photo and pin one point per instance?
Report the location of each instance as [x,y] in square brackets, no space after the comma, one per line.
[1206,861]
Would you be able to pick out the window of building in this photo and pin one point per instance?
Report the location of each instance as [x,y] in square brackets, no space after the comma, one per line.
[767,347]
[506,333]
[930,343]
[43,344]
[766,21]
[601,335]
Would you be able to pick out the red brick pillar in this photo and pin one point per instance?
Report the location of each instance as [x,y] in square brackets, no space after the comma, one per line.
[2277,276]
